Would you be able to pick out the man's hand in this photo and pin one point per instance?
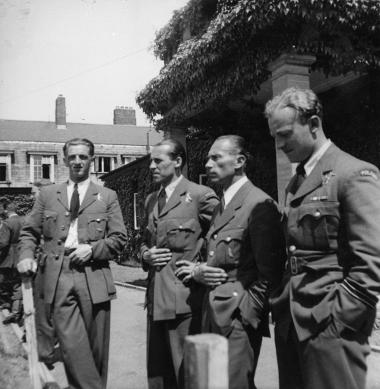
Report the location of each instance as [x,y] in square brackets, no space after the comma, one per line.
[157,257]
[209,275]
[27,267]
[185,270]
[81,255]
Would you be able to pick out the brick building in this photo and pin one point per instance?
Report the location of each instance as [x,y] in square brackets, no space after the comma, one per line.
[31,151]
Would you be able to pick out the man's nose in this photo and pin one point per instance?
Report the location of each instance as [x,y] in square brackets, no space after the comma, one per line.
[208,164]
[152,165]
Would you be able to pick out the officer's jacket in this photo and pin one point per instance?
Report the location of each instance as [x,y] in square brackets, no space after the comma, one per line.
[181,227]
[246,241]
[100,224]
[10,232]
[333,230]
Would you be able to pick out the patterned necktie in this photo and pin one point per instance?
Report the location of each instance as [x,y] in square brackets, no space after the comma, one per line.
[161,200]
[74,203]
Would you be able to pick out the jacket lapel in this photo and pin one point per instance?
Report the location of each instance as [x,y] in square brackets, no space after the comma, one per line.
[89,197]
[62,195]
[175,198]
[221,219]
[315,179]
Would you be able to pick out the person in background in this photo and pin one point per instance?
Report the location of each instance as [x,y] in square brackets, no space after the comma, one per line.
[177,219]
[325,309]
[82,229]
[8,262]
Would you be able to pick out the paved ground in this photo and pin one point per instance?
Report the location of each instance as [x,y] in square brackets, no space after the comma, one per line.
[128,342]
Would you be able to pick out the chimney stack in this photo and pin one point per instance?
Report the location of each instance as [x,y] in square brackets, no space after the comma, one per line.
[124,115]
[60,113]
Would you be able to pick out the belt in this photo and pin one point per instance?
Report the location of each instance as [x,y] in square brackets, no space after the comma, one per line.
[68,251]
[296,265]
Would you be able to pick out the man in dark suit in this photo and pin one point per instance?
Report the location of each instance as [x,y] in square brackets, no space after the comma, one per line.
[178,217]
[326,307]
[8,245]
[245,256]
[82,229]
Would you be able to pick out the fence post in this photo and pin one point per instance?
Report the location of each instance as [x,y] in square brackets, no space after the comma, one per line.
[206,362]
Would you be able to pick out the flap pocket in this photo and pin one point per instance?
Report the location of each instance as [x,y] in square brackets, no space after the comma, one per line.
[317,210]
[188,225]
[49,223]
[97,223]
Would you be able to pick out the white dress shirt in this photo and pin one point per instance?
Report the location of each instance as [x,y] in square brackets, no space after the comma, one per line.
[231,191]
[72,236]
[315,157]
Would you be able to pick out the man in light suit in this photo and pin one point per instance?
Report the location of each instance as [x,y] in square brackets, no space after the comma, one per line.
[245,256]
[82,229]
[326,307]
[178,217]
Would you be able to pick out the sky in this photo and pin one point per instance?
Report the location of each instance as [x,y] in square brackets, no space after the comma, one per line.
[96,53]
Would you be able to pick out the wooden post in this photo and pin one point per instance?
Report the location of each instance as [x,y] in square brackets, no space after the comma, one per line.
[30,327]
[206,362]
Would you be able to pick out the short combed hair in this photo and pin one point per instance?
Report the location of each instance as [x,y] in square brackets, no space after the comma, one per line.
[79,141]
[304,101]
[177,149]
[239,143]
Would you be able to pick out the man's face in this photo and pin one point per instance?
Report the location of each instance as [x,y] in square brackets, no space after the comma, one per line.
[293,138]
[3,212]
[163,168]
[78,160]
[222,161]
[34,192]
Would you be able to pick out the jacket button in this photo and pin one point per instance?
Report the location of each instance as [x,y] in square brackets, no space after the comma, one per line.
[317,214]
[228,239]
[292,248]
[235,294]
[211,253]
[215,236]
[67,213]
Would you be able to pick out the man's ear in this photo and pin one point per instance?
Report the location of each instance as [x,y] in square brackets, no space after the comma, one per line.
[240,160]
[65,161]
[178,162]
[314,123]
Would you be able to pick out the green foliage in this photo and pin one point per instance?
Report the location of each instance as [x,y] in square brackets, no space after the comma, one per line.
[230,57]
[24,203]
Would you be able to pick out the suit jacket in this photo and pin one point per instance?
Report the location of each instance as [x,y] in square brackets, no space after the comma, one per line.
[10,232]
[100,224]
[181,227]
[333,228]
[246,241]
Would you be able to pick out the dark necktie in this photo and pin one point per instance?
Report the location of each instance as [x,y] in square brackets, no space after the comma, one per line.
[161,200]
[74,203]
[222,204]
[301,175]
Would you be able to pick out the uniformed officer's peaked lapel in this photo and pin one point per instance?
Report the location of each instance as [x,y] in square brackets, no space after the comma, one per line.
[89,197]
[221,219]
[62,195]
[315,179]
[175,198]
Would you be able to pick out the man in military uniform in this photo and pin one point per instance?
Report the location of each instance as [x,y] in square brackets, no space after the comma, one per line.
[178,217]
[11,279]
[245,257]
[326,307]
[82,229]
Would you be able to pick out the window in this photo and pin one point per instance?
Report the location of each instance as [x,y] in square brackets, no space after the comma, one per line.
[5,167]
[104,164]
[41,167]
[125,159]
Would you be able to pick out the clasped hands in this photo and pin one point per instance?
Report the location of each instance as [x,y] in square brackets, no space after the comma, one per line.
[200,272]
[157,257]
[79,256]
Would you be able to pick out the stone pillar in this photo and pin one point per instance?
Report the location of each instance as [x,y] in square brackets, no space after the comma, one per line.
[180,135]
[288,70]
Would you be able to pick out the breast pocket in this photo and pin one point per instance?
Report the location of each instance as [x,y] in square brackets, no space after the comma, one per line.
[229,246]
[319,223]
[96,226]
[180,235]
[49,224]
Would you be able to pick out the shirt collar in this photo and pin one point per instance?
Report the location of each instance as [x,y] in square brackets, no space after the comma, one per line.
[82,184]
[231,191]
[171,187]
[316,156]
